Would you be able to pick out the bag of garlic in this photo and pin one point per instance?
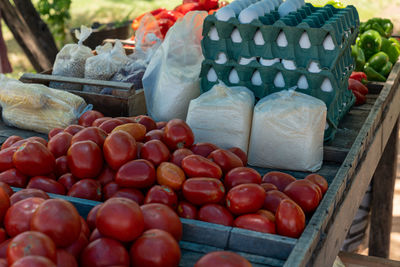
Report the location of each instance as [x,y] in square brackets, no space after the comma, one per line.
[288,132]
[222,116]
[70,61]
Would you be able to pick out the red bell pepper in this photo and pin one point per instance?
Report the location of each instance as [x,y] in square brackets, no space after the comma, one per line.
[169,14]
[355,85]
[209,4]
[359,76]
[185,8]
[136,21]
[360,98]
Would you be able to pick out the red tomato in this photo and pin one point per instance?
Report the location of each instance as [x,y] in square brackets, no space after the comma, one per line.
[31,243]
[95,235]
[179,155]
[162,194]
[136,173]
[186,210]
[279,179]
[126,120]
[318,180]
[161,124]
[139,146]
[6,158]
[27,193]
[245,198]
[47,185]
[94,134]
[73,129]
[255,222]
[13,177]
[155,248]
[87,189]
[6,188]
[178,134]
[61,166]
[203,149]
[119,148]
[200,191]
[91,217]
[98,121]
[272,200]
[67,180]
[65,259]
[171,175]
[121,219]
[214,213]
[54,131]
[268,214]
[33,158]
[85,159]
[53,217]
[154,135]
[37,139]
[222,259]
[78,246]
[131,193]
[148,122]
[107,175]
[160,216]
[59,144]
[305,193]
[155,151]
[290,219]
[110,124]
[19,143]
[241,175]
[226,159]
[4,247]
[240,153]
[4,204]
[136,130]
[89,117]
[268,187]
[199,166]
[104,252]
[3,235]
[18,216]
[109,190]
[10,141]
[85,228]
[34,261]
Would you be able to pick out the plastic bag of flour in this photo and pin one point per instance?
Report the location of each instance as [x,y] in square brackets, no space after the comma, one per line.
[222,116]
[288,132]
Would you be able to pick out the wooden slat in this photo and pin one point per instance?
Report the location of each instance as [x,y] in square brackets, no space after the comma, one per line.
[356,260]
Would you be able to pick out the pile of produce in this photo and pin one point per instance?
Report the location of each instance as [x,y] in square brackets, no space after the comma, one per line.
[357,83]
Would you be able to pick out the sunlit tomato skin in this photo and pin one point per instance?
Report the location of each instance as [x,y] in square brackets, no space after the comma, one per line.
[222,259]
[240,153]
[59,144]
[65,259]
[6,158]
[255,222]
[148,122]
[136,173]
[98,121]
[136,130]
[10,141]
[305,193]
[85,159]
[94,134]
[6,189]
[214,213]
[13,177]
[241,175]
[104,252]
[268,187]
[4,204]
[67,180]
[266,213]
[272,200]
[31,243]
[121,219]
[87,189]
[318,180]
[109,190]
[203,149]
[161,124]
[107,175]
[290,219]
[27,193]
[47,185]
[162,194]
[73,129]
[199,166]
[131,193]
[160,216]
[61,166]
[201,191]
[245,198]
[154,135]
[155,151]
[187,210]
[53,216]
[156,248]
[110,124]
[91,217]
[18,216]
[77,247]
[54,131]
[33,158]
[178,134]
[89,117]
[279,179]
[226,159]
[171,175]
[179,155]
[119,148]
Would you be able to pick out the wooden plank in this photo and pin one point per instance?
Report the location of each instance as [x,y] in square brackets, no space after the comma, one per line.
[375,87]
[356,260]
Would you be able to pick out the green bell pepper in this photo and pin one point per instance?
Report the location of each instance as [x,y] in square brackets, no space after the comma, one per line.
[378,67]
[358,55]
[372,75]
[386,69]
[370,42]
[383,26]
[392,49]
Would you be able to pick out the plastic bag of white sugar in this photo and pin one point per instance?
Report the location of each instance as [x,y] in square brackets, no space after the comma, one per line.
[288,132]
[222,116]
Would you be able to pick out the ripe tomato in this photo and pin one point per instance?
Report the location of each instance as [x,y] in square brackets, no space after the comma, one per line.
[126,120]
[67,180]
[53,217]
[109,190]
[47,185]
[240,153]
[104,252]
[98,121]
[214,213]
[34,261]
[171,175]
[119,148]
[85,159]
[154,135]
[10,141]
[279,179]
[6,188]
[18,216]
[162,194]
[54,131]
[155,248]
[203,149]
[121,219]
[61,166]
[178,134]
[138,173]
[59,144]
[155,151]
[89,117]
[136,130]
[290,219]
[27,193]
[161,124]
[4,247]
[78,246]
[37,139]
[110,124]
[222,259]
[199,166]
[179,155]
[186,210]
[95,235]
[305,193]
[85,228]
[272,200]
[6,158]
[107,175]
[94,134]
[65,259]
[226,159]
[131,193]
[13,177]
[31,243]
[33,158]
[91,217]
[73,129]
[241,175]
[139,146]
[245,198]
[267,213]
[87,189]
[3,235]
[318,180]
[4,204]
[268,187]
[255,222]
[148,122]
[201,191]
[160,216]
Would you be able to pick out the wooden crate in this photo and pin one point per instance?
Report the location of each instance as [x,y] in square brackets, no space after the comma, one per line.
[125,100]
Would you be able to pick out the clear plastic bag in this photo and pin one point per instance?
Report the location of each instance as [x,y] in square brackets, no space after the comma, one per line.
[71,59]
[171,79]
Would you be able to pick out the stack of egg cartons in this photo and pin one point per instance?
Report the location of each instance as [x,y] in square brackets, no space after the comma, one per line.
[269,45]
